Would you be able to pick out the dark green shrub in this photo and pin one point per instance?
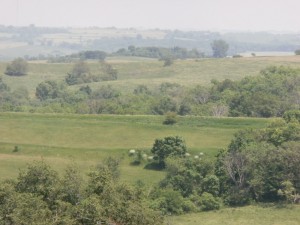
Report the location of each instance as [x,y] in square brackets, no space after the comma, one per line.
[18,67]
[171,118]
[209,202]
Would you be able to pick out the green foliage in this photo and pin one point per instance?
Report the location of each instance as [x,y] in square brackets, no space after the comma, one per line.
[297,52]
[168,61]
[219,48]
[164,105]
[209,202]
[99,55]
[170,119]
[190,176]
[109,73]
[159,52]
[270,94]
[40,196]
[17,67]
[38,179]
[168,201]
[79,74]
[291,115]
[49,90]
[71,185]
[16,149]
[259,161]
[169,146]
[287,191]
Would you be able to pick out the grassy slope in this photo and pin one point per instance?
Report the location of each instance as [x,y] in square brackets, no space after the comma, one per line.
[134,71]
[86,139]
[254,215]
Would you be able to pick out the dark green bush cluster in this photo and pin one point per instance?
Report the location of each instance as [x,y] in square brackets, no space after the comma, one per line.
[40,196]
[258,166]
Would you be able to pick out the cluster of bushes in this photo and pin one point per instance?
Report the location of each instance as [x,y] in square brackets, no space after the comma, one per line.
[258,166]
[81,73]
[262,165]
[40,196]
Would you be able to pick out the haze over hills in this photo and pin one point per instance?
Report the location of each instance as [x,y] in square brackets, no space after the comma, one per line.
[33,41]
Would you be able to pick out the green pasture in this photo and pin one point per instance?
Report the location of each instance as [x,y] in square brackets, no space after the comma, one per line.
[254,215]
[87,139]
[135,71]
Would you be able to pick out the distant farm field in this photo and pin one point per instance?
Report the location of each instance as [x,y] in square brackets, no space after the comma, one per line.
[135,71]
[87,139]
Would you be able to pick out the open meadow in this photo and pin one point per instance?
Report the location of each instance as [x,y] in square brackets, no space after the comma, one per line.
[87,139]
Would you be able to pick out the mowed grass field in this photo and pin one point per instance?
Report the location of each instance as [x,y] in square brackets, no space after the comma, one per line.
[87,139]
[135,71]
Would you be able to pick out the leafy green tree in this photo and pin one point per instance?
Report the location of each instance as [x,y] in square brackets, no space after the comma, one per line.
[49,90]
[168,201]
[39,179]
[71,185]
[171,118]
[17,67]
[219,48]
[3,86]
[79,74]
[258,161]
[141,89]
[168,61]
[297,52]
[169,146]
[209,202]
[109,72]
[291,115]
[164,105]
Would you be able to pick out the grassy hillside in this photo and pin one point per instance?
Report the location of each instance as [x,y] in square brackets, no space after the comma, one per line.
[135,71]
[61,139]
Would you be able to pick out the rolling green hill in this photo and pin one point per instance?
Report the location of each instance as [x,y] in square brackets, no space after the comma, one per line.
[61,139]
[136,71]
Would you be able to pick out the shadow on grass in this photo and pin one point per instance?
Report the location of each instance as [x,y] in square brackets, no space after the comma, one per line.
[154,166]
[135,163]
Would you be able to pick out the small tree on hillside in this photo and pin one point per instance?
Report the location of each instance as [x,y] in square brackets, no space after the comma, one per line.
[171,118]
[79,74]
[169,146]
[18,67]
[168,61]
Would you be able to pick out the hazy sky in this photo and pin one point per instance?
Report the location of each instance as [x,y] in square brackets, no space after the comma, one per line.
[253,15]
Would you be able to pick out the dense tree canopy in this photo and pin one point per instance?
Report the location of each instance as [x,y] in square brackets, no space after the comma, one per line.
[40,197]
[169,146]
